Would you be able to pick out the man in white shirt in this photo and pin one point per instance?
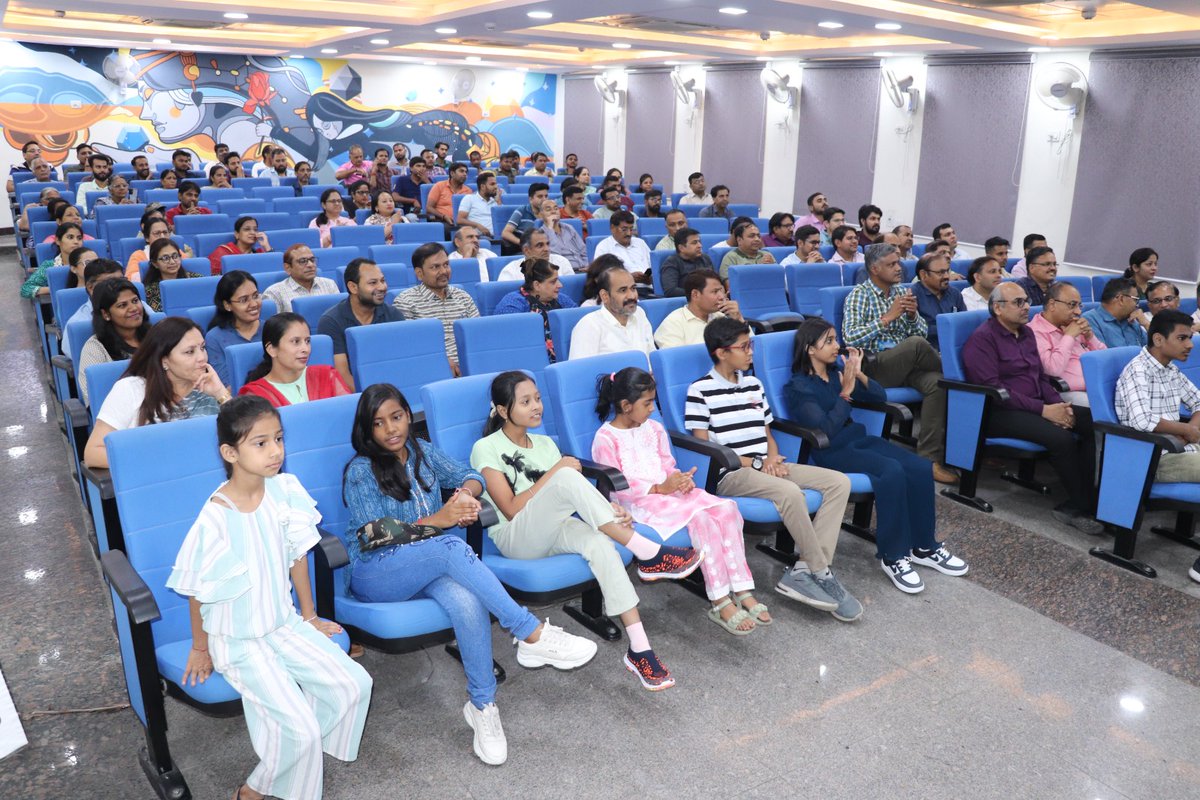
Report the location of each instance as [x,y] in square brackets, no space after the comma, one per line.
[845,244]
[808,247]
[475,210]
[633,252]
[707,301]
[539,169]
[302,279]
[619,325]
[266,162]
[466,245]
[676,221]
[279,168]
[699,195]
[101,172]
[535,244]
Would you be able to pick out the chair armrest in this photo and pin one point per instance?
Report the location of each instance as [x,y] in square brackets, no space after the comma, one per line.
[132,591]
[332,550]
[608,479]
[1059,384]
[488,516]
[722,456]
[77,414]
[1168,442]
[783,322]
[810,436]
[758,325]
[62,362]
[993,392]
[102,478]
[52,329]
[896,412]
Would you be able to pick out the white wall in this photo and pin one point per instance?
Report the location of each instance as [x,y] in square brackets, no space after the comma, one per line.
[614,121]
[898,148]
[689,133]
[781,151]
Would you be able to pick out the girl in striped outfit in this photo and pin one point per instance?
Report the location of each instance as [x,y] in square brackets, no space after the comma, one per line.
[302,695]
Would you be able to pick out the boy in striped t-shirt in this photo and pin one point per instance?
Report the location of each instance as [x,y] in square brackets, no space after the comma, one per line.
[730,408]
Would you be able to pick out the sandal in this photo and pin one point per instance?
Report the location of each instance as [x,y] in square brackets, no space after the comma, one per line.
[731,624]
[755,610]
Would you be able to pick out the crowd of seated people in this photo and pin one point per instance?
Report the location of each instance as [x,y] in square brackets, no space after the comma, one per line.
[889,330]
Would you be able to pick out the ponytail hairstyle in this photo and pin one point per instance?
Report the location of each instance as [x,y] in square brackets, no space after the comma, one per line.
[389,473]
[626,385]
[159,401]
[323,218]
[235,419]
[602,264]
[104,297]
[1137,258]
[272,334]
[504,395]
[227,287]
[537,270]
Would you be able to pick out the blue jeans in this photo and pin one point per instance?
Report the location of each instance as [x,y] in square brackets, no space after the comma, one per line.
[446,570]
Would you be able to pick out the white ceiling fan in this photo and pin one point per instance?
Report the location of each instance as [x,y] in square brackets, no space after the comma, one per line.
[901,91]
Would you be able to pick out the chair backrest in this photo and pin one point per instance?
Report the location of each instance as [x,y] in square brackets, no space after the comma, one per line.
[759,289]
[657,257]
[66,302]
[658,308]
[274,221]
[105,214]
[464,273]
[652,226]
[1101,371]
[488,295]
[708,225]
[100,380]
[241,206]
[271,193]
[215,196]
[359,237]
[1082,283]
[675,369]
[745,210]
[833,300]
[207,242]
[253,262]
[406,354]
[572,286]
[419,232]
[773,366]
[497,264]
[293,204]
[399,253]
[318,189]
[192,224]
[313,306]
[398,276]
[804,282]
[495,344]
[246,356]
[117,228]
[179,296]
[330,259]
[281,240]
[455,411]
[571,390]
[953,332]
[562,322]
[250,184]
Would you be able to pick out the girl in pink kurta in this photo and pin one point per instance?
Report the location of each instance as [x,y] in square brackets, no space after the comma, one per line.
[665,499]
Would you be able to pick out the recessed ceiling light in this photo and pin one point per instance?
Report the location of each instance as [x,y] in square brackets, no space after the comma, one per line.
[162,41]
[882,54]
[1039,49]
[598,66]
[329,51]
[380,41]
[236,15]
[622,45]
[732,11]
[473,59]
[540,15]
[833,26]
[888,26]
[762,58]
[446,31]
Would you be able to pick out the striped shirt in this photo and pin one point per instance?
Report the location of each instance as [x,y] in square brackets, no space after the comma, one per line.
[288,289]
[421,302]
[734,414]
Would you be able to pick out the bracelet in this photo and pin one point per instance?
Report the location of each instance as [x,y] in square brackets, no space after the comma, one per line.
[310,619]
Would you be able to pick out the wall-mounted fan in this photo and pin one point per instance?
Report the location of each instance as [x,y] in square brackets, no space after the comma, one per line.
[901,92]
[1062,86]
[606,89]
[777,87]
[685,91]
[462,85]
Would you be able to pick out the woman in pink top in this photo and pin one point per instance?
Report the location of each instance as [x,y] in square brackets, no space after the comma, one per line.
[665,499]
[330,216]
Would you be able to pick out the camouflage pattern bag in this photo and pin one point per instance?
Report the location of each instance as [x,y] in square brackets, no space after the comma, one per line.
[391,532]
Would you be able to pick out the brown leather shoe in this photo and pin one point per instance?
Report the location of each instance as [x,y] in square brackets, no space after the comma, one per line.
[943,474]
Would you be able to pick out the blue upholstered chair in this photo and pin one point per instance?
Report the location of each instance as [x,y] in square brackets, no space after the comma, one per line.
[761,293]
[407,354]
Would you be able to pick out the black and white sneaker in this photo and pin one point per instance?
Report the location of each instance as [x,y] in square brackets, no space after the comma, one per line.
[1194,571]
[941,559]
[903,575]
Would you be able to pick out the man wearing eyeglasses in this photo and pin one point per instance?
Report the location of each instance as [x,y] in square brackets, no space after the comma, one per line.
[1003,352]
[1118,320]
[301,281]
[934,293]
[633,252]
[1063,335]
[1162,296]
[1043,269]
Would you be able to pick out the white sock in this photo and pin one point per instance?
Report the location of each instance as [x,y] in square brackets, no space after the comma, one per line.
[638,641]
[643,548]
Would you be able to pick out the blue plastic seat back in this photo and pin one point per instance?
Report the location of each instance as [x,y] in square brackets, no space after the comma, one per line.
[780,253]
[241,207]
[318,189]
[295,205]
[496,264]
[570,387]
[1101,371]
[455,412]
[804,282]
[675,369]
[253,262]
[203,315]
[499,343]
[488,295]
[100,380]
[658,308]
[562,322]
[179,296]
[272,193]
[359,237]
[272,221]
[398,276]
[66,302]
[281,240]
[953,332]
[313,306]
[500,217]
[406,354]
[419,232]
[78,332]
[215,196]
[745,210]
[193,224]
[400,253]
[709,225]
[207,242]
[833,301]
[657,257]
[572,286]
[652,226]
[330,259]
[760,290]
[1080,282]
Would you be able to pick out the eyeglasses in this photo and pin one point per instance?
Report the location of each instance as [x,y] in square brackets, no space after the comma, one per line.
[246,299]
[1018,302]
[304,262]
[170,258]
[747,348]
[623,229]
[939,272]
[1158,301]
[1074,304]
[1050,264]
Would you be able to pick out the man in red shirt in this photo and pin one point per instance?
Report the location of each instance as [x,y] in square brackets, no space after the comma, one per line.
[189,203]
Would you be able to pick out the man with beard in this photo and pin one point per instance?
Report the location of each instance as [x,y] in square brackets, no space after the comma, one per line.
[869,218]
[618,325]
[365,306]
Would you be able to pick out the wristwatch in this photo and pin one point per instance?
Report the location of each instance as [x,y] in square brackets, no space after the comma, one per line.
[757,463]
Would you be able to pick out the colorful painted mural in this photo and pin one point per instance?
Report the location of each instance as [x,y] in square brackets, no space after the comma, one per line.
[126,102]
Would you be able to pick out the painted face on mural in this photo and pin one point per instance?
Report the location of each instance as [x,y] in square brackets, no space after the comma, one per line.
[174,116]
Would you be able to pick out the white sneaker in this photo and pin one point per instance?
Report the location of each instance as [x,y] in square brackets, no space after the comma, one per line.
[490,744]
[903,575]
[556,648]
[942,560]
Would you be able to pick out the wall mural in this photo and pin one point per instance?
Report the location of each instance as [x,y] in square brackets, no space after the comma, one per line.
[126,102]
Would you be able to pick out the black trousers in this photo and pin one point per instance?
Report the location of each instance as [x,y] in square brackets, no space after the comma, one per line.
[1072,453]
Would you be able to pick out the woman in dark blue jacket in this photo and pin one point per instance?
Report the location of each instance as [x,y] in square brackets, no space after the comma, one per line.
[818,396]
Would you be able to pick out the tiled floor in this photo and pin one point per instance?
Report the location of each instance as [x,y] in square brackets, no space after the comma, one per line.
[1044,674]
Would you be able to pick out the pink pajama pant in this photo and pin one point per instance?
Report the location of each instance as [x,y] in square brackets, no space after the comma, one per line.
[718,530]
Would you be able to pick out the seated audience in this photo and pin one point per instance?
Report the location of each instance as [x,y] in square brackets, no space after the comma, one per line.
[233,163]
[440,206]
[706,301]
[435,298]
[834,219]
[119,325]
[168,378]
[808,247]
[118,195]
[881,318]
[101,173]
[652,203]
[689,257]
[379,176]
[818,396]
[664,499]
[165,264]
[93,271]
[141,168]
[330,216]
[646,183]
[466,245]
[407,190]
[591,287]
[1118,321]
[475,210]
[632,250]
[698,193]
[1143,267]
[619,325]
[904,236]
[538,166]
[729,407]
[748,248]
[284,376]
[68,237]
[181,163]
[360,197]
[302,280]
[247,239]
[535,244]
[817,203]
[541,294]
[997,248]
[365,305]
[385,213]
[1042,266]
[934,293]
[573,197]
[354,170]
[984,275]
[396,481]
[537,493]
[279,170]
[570,163]
[1063,335]
[845,245]
[167,179]
[1031,240]
[870,217]
[610,196]
[781,227]
[564,240]
[238,320]
[44,198]
[676,221]
[946,233]
[1003,352]
[154,227]
[189,203]
[526,217]
[1162,296]
[720,204]
[218,177]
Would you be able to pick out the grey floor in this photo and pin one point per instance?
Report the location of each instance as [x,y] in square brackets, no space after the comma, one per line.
[1044,674]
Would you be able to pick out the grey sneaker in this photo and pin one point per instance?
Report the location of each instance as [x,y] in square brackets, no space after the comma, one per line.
[802,585]
[848,609]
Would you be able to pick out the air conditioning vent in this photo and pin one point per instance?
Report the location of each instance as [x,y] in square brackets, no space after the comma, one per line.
[658,25]
[190,24]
